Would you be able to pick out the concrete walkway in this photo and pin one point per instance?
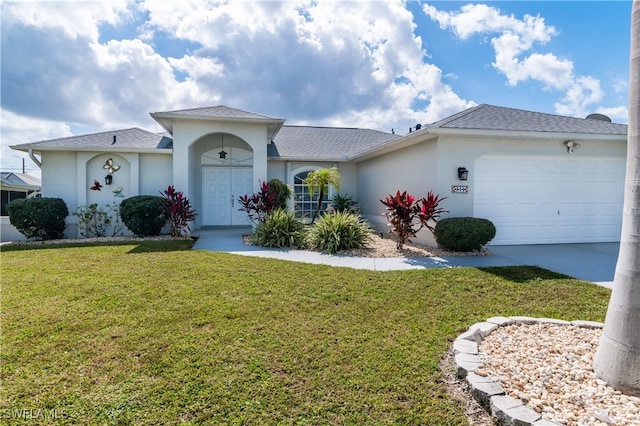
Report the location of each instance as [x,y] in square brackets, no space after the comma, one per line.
[590,262]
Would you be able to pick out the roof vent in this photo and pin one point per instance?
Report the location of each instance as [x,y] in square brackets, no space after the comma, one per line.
[601,117]
[418,126]
[114,140]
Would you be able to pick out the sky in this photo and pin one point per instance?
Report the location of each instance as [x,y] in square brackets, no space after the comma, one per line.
[76,67]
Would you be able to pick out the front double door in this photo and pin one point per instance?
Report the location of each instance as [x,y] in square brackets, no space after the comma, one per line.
[221,187]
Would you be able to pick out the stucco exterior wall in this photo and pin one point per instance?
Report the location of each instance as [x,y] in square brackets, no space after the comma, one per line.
[433,165]
[156,173]
[456,151]
[187,132]
[412,169]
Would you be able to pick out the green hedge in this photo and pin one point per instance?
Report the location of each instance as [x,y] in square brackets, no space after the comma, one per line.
[464,233]
[143,215]
[40,218]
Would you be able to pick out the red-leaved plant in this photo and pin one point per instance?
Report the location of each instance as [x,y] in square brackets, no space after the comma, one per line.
[259,205]
[408,216]
[178,211]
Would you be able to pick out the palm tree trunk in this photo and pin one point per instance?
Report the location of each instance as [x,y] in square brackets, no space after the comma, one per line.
[318,205]
[617,360]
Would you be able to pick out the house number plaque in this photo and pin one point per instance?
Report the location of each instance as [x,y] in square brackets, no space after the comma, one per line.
[459,189]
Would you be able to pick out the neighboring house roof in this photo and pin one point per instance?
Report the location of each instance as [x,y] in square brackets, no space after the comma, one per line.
[217,113]
[133,139]
[490,117]
[16,181]
[325,143]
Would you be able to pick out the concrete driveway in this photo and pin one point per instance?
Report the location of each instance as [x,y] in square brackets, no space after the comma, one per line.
[595,262]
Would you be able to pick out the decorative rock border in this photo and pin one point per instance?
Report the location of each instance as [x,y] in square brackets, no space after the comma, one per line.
[489,394]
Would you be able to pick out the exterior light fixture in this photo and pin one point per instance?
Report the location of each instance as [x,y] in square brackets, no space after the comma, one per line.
[463,173]
[222,154]
[108,179]
[571,145]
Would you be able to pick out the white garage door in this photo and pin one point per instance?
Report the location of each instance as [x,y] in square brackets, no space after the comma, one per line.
[550,199]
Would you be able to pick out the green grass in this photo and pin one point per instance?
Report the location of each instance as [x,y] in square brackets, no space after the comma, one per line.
[152,333]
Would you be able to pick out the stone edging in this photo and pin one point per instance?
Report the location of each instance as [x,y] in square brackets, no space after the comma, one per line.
[489,394]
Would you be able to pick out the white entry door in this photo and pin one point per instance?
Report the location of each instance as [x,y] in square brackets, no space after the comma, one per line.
[221,187]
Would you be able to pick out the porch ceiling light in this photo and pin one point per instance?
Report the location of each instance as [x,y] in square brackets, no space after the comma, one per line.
[222,154]
[463,173]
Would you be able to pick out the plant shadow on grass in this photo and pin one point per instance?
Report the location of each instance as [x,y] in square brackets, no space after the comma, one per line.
[524,273]
[149,246]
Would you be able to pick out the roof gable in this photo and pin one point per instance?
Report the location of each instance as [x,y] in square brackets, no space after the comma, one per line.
[326,143]
[220,111]
[490,117]
[127,139]
[217,113]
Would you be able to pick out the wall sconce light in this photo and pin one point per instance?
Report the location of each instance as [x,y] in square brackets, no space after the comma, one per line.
[108,179]
[463,173]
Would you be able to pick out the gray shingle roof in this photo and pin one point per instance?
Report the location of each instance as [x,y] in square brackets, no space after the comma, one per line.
[19,180]
[219,111]
[133,138]
[490,117]
[325,143]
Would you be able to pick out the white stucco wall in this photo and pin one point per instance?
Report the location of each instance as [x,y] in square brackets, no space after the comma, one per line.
[156,173]
[70,175]
[432,165]
[412,169]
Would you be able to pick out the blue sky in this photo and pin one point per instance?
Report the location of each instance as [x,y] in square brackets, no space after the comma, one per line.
[71,68]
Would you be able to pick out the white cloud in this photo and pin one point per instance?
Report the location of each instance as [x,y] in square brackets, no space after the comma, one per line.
[619,114]
[514,41]
[579,98]
[343,63]
[17,129]
[333,62]
[76,18]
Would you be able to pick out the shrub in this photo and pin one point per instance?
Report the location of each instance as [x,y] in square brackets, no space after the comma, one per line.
[178,211]
[39,218]
[344,203]
[464,233]
[407,217]
[282,193]
[143,215]
[339,231]
[93,220]
[279,229]
[260,204]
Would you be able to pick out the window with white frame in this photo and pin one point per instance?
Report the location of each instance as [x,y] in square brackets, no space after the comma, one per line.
[305,203]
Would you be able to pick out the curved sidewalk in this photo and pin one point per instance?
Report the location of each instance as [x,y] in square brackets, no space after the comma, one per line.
[590,262]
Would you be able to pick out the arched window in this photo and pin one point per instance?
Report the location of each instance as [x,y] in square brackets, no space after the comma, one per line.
[304,203]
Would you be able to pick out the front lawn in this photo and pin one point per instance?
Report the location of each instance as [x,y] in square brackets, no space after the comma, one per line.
[153,333]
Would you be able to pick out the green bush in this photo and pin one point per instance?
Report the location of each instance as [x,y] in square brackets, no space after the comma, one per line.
[143,215]
[339,231]
[464,233]
[282,193]
[344,203]
[280,229]
[40,218]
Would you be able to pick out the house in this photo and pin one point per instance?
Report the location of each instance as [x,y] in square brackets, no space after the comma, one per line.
[12,187]
[540,178]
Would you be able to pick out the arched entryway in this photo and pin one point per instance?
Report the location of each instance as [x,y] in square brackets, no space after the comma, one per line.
[226,163]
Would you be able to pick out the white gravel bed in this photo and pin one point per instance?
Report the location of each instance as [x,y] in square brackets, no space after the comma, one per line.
[549,368]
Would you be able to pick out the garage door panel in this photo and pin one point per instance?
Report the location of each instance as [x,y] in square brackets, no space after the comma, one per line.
[550,200]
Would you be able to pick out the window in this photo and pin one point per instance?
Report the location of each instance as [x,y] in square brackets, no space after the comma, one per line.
[304,203]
